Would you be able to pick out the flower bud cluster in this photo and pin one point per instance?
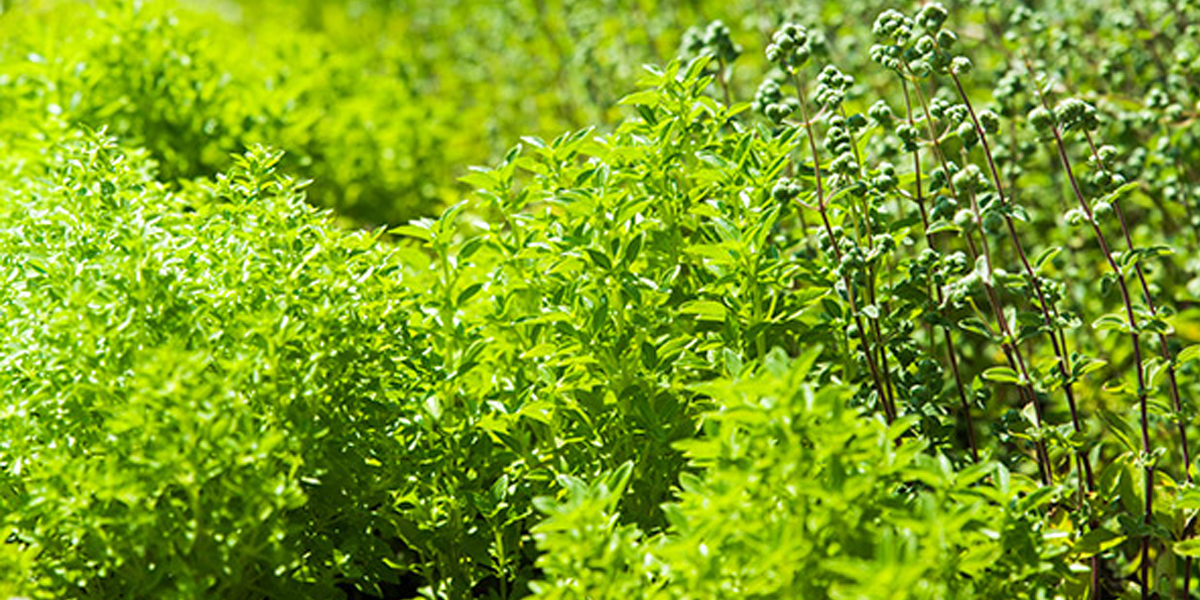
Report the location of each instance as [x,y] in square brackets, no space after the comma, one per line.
[831,87]
[1073,113]
[790,46]
[771,102]
[715,40]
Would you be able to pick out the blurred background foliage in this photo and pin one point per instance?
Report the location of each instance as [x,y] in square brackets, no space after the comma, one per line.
[382,104]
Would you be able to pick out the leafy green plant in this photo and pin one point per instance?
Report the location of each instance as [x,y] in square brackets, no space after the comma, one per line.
[797,497]
[178,419]
[915,319]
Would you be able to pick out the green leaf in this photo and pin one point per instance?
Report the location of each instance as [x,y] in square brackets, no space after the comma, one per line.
[1087,365]
[601,259]
[1188,499]
[1189,547]
[1111,321]
[705,310]
[1044,257]
[418,230]
[1001,375]
[976,326]
[650,98]
[632,250]
[1097,541]
[1188,354]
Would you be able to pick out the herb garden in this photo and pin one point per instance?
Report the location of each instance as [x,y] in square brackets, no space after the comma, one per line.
[588,299]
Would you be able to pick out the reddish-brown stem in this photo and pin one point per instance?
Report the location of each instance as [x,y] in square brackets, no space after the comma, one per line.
[1059,346]
[1133,334]
[1164,350]
[1164,347]
[951,351]
[885,400]
[1012,351]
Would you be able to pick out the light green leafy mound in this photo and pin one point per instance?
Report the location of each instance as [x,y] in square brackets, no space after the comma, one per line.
[795,496]
[199,390]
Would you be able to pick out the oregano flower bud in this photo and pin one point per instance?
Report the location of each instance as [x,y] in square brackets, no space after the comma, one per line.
[969,179]
[1101,179]
[932,16]
[966,133]
[1075,113]
[926,45]
[990,122]
[881,113]
[992,221]
[1075,216]
[1107,153]
[1041,119]
[943,208]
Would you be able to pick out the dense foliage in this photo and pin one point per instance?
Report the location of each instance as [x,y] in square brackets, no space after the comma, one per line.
[858,302]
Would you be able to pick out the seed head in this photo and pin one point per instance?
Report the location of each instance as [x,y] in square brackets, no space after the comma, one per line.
[992,221]
[831,87]
[785,190]
[844,164]
[887,56]
[894,25]
[966,133]
[957,263]
[926,45]
[969,179]
[1107,154]
[790,46]
[943,208]
[717,40]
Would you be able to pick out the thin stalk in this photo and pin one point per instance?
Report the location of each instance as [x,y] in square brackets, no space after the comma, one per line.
[1058,338]
[1133,334]
[1060,348]
[1012,351]
[951,351]
[723,82]
[872,297]
[1164,347]
[889,407]
[1164,350]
